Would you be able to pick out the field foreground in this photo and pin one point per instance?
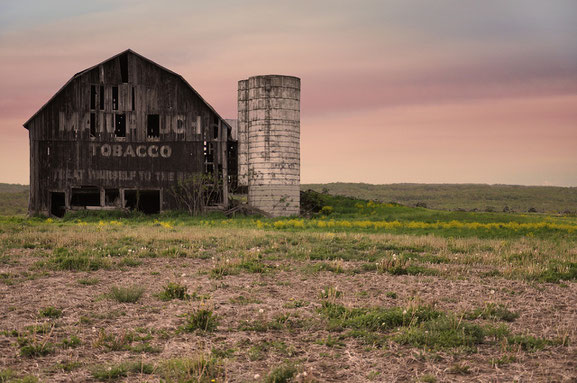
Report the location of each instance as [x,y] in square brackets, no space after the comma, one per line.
[159,300]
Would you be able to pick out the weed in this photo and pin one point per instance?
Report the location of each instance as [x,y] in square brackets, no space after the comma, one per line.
[281,374]
[242,300]
[201,319]
[459,369]
[330,293]
[117,371]
[493,311]
[503,361]
[174,290]
[112,342]
[202,368]
[33,347]
[66,366]
[428,378]
[129,294]
[71,342]
[331,341]
[50,312]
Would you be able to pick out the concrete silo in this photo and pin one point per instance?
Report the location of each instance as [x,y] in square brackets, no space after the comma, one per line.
[269,142]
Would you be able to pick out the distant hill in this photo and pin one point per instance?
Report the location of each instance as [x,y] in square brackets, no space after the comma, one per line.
[547,199]
[13,199]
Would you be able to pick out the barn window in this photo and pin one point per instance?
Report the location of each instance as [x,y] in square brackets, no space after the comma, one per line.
[114,98]
[101,97]
[85,196]
[92,124]
[92,96]
[111,197]
[120,125]
[133,99]
[124,67]
[153,126]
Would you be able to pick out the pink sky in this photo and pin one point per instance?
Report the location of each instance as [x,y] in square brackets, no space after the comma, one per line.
[392,91]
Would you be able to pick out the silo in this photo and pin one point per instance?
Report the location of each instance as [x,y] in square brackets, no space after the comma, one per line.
[272,115]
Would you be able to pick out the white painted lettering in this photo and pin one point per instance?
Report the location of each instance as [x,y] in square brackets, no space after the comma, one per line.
[153,151]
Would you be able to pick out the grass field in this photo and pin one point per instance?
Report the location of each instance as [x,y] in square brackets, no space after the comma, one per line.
[544,199]
[13,199]
[358,291]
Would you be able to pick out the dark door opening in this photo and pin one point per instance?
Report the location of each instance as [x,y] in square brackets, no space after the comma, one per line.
[57,204]
[146,201]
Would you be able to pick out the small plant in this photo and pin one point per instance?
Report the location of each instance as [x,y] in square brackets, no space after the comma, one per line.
[330,293]
[112,342]
[174,290]
[202,368]
[130,294]
[493,311]
[201,319]
[281,374]
[31,348]
[393,265]
[50,312]
[117,371]
[459,369]
[71,342]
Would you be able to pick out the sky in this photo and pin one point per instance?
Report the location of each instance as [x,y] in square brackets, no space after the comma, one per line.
[393,91]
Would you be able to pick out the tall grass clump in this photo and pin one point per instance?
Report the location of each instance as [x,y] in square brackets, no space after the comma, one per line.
[129,294]
[281,374]
[202,368]
[174,290]
[201,319]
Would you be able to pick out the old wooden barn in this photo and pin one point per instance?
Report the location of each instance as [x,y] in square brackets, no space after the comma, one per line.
[121,134]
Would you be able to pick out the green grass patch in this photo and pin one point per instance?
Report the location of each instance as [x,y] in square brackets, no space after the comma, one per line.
[126,294]
[201,320]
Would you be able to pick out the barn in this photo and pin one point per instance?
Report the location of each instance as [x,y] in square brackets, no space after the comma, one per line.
[128,134]
[123,134]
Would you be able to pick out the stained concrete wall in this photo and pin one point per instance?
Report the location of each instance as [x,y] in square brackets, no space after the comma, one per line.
[269,142]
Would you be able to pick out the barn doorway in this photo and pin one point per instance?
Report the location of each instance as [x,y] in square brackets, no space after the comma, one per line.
[57,204]
[146,201]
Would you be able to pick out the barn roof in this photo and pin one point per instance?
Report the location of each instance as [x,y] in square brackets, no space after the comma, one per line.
[111,58]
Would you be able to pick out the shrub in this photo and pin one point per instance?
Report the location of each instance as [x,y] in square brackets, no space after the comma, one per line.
[130,294]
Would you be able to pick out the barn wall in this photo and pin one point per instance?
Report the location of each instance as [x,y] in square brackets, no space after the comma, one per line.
[65,155]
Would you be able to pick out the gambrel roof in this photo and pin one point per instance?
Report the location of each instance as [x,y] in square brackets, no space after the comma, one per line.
[79,74]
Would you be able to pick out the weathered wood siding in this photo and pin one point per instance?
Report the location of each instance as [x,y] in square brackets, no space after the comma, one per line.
[64,154]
